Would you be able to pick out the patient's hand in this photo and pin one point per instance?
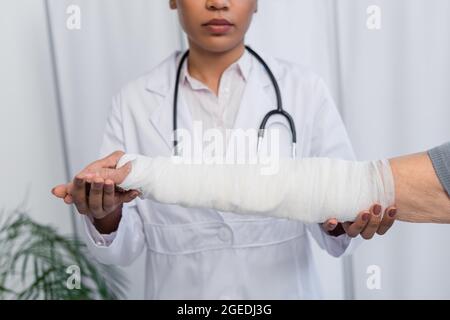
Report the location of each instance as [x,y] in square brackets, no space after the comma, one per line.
[93,189]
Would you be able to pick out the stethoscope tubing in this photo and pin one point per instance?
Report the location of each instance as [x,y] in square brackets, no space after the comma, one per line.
[278,111]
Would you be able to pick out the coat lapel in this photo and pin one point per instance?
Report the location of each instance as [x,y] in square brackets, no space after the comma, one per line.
[258,99]
[164,86]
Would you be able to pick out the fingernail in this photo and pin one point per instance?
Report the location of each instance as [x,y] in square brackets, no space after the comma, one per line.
[392,213]
[377,209]
[98,185]
[109,186]
[366,216]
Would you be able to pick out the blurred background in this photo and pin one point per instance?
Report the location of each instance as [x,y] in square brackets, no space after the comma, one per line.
[391,82]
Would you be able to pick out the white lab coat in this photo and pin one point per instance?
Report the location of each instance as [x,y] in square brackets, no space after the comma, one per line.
[205,254]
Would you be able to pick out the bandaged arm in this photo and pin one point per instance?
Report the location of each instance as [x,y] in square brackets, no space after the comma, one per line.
[310,190]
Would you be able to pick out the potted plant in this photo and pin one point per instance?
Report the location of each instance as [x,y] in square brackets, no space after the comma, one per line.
[36,262]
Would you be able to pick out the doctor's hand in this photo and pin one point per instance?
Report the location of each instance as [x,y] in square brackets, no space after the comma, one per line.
[367,224]
[93,190]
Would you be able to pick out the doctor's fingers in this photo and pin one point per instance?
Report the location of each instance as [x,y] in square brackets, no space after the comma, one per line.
[112,199]
[103,199]
[353,229]
[128,196]
[79,196]
[388,220]
[109,201]
[96,197]
[374,222]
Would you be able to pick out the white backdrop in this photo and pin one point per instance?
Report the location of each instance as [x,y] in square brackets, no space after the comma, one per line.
[395,99]
[391,86]
[118,41]
[31,145]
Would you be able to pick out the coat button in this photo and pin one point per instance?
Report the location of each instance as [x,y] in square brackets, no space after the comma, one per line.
[224,234]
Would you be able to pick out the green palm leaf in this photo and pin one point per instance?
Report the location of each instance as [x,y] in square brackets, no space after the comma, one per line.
[34,258]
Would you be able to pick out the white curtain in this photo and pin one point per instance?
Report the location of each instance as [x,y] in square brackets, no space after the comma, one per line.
[391,86]
[31,145]
[395,97]
[117,42]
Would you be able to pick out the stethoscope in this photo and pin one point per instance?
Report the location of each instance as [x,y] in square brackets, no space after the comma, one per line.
[279,110]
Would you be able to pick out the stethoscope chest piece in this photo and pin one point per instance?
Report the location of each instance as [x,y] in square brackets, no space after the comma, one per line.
[262,129]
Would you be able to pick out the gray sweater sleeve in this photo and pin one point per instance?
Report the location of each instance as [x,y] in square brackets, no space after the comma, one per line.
[440,157]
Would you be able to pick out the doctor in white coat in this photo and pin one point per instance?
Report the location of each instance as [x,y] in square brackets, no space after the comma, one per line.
[205,254]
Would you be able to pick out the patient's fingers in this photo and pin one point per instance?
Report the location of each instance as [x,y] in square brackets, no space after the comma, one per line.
[109,161]
[388,220]
[353,229]
[68,199]
[116,175]
[374,222]
[63,190]
[60,191]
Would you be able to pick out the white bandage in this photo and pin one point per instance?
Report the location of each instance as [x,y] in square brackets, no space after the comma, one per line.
[311,190]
